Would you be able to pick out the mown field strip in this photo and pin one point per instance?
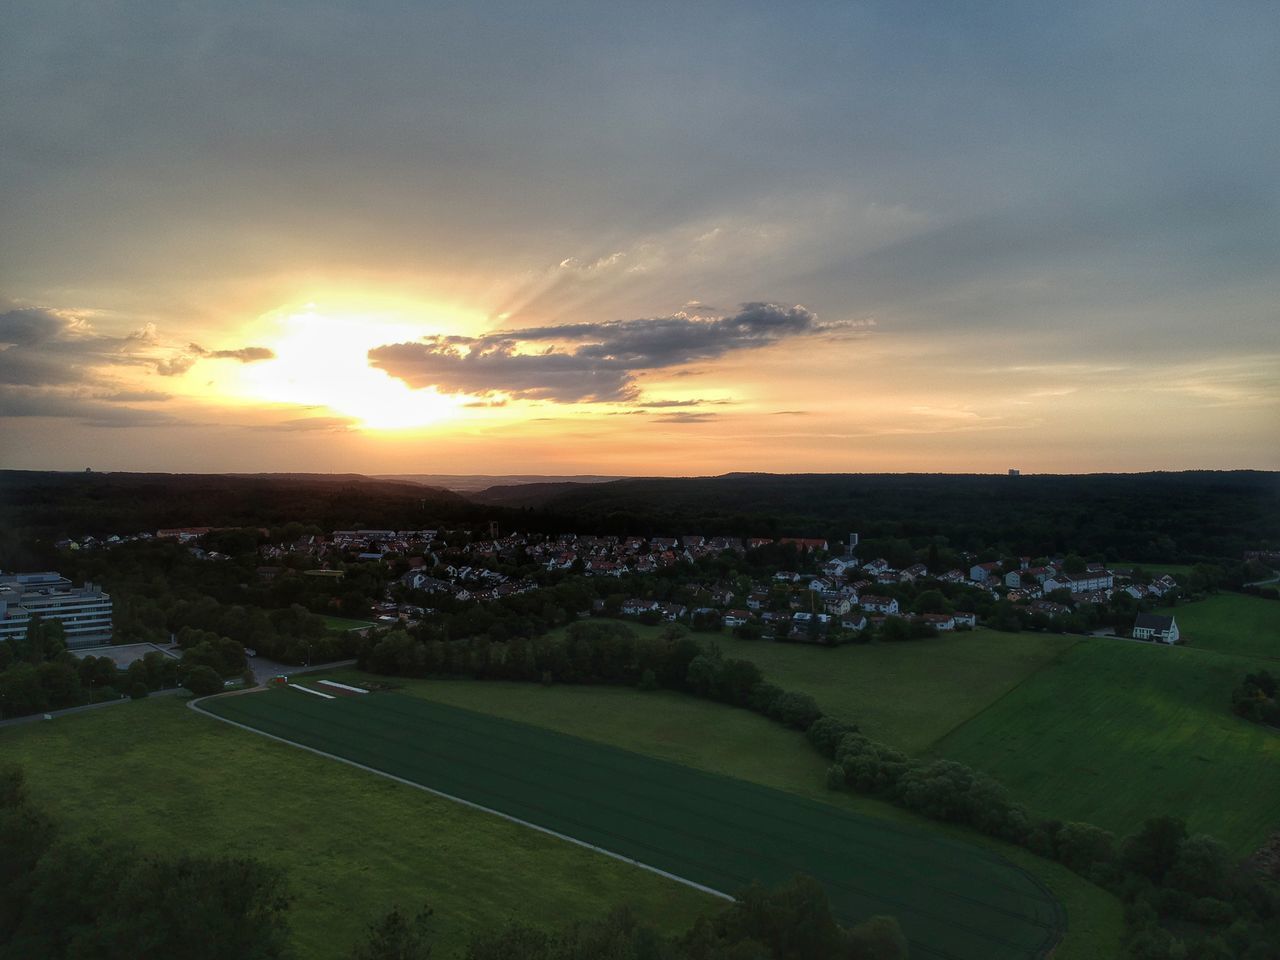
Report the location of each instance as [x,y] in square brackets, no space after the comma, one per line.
[953,901]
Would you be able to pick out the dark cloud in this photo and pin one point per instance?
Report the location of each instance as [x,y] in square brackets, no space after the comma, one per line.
[136,396]
[687,417]
[20,401]
[664,404]
[180,363]
[588,362]
[44,348]
[325,424]
[243,354]
[174,366]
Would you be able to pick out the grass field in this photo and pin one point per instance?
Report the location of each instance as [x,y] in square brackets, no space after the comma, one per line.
[1118,731]
[353,844]
[342,624]
[1173,568]
[882,686]
[953,900]
[907,694]
[740,744]
[1231,623]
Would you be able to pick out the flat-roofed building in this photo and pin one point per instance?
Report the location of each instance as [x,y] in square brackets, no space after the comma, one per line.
[84,612]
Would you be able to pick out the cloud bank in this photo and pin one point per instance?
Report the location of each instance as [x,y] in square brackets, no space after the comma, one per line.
[590,362]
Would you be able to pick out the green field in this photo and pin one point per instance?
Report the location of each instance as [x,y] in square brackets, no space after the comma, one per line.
[1118,731]
[1231,623]
[342,624]
[1157,568]
[352,844]
[907,694]
[953,900]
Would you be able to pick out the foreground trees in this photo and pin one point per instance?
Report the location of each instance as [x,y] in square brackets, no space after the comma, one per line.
[99,900]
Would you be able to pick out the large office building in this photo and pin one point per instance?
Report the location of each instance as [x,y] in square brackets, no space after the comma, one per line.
[85,612]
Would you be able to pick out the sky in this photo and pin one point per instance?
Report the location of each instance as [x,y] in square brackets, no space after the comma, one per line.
[644,239]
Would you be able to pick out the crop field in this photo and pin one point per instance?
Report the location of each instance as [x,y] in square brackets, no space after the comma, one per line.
[953,900]
[1232,623]
[1117,731]
[352,844]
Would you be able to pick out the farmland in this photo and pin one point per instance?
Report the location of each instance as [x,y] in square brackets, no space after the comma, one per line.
[736,743]
[1116,731]
[952,899]
[352,844]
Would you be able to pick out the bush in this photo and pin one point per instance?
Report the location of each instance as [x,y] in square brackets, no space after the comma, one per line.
[798,710]
[825,734]
[1084,847]
[138,691]
[203,681]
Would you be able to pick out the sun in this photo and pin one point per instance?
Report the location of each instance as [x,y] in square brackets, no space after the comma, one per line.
[321,360]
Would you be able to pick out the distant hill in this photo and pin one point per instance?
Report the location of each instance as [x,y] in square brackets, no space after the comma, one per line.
[474,482]
[54,504]
[1148,516]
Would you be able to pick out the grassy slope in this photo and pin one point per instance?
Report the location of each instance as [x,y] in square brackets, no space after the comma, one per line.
[353,843]
[1232,623]
[881,685]
[740,744]
[1119,731]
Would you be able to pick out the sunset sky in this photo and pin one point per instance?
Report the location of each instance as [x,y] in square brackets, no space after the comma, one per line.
[639,238]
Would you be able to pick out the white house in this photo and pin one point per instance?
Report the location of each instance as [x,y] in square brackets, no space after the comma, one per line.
[887,605]
[979,572]
[1153,626]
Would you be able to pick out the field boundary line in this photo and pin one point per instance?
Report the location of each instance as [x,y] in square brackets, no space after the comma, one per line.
[194,705]
[928,751]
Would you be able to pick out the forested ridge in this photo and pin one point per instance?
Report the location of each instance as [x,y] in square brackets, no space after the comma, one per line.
[1152,517]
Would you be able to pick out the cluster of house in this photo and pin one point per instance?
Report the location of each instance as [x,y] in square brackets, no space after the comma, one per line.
[1094,584]
[839,593]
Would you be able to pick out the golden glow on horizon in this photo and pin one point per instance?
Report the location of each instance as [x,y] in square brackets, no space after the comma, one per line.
[322,361]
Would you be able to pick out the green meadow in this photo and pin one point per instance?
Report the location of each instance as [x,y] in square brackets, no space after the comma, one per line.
[1232,623]
[1117,731]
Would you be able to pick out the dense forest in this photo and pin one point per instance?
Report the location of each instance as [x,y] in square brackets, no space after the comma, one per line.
[1151,517]
[37,508]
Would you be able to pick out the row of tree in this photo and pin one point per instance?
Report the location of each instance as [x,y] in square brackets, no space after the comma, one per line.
[791,922]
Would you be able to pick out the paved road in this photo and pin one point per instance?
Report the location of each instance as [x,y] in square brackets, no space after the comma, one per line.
[264,669]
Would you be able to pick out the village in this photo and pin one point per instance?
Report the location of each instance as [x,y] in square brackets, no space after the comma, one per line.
[825,593]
